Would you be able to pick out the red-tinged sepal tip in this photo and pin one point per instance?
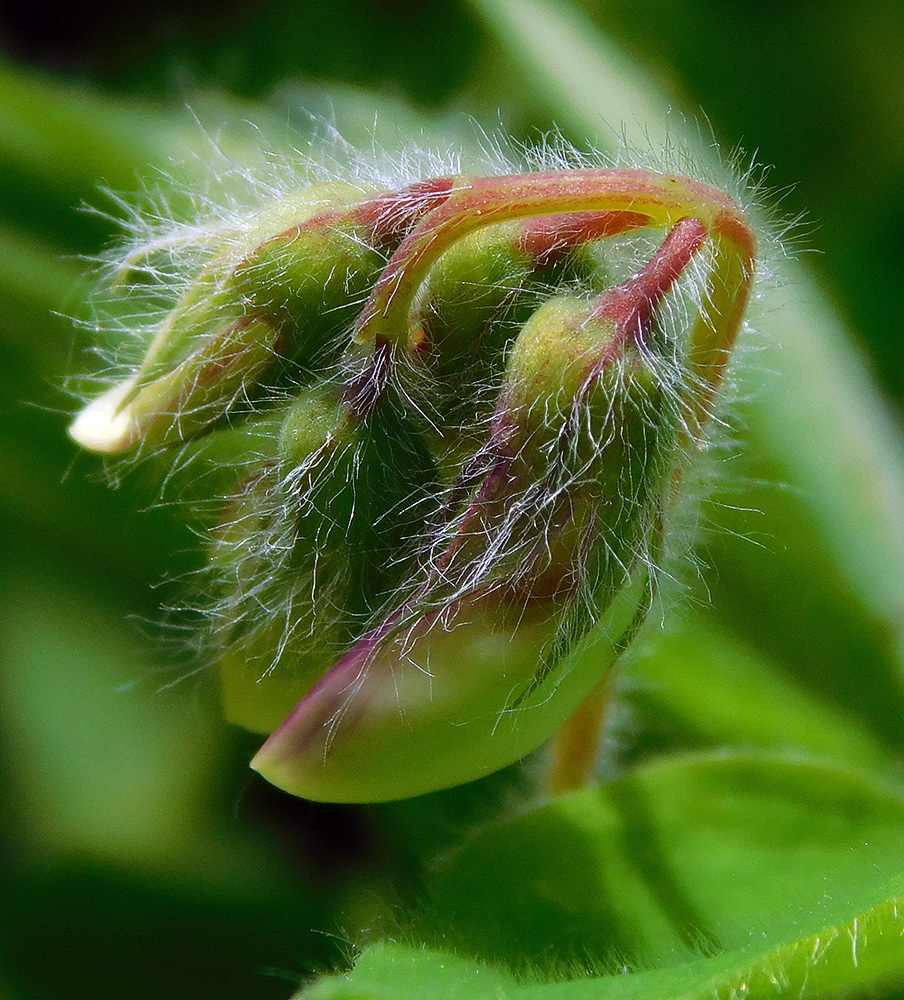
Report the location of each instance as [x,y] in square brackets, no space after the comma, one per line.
[453,696]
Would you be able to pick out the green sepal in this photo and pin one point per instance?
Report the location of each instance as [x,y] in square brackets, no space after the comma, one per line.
[312,548]
[475,300]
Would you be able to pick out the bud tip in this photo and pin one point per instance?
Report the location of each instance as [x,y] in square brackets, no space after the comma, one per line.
[105,424]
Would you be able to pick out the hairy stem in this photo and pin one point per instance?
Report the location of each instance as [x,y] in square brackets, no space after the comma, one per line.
[651,199]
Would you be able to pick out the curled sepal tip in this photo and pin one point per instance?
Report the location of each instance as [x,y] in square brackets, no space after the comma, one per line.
[450,700]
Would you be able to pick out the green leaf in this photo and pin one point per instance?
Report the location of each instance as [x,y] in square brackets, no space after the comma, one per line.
[594,89]
[398,972]
[697,685]
[694,875]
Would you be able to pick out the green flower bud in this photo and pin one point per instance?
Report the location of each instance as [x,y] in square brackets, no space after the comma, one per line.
[483,288]
[272,549]
[309,272]
[553,529]
[186,399]
[311,548]
[308,275]
[457,527]
[287,287]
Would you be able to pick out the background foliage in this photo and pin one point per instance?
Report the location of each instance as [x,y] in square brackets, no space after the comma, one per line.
[748,841]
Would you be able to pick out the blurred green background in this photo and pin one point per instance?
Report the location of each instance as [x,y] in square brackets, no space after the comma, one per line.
[138,856]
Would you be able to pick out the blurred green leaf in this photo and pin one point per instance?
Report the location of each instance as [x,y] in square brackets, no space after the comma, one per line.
[699,686]
[73,139]
[697,874]
[97,764]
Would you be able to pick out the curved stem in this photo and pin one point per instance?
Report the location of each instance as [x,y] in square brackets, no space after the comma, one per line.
[714,333]
[576,743]
[653,199]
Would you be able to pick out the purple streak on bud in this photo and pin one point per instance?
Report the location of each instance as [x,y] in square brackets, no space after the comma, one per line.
[631,306]
[478,202]
[331,698]
[391,215]
[548,238]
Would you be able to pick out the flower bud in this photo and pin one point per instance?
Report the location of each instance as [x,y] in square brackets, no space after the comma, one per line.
[457,528]
[483,288]
[288,286]
[270,553]
[311,548]
[181,401]
[309,272]
[551,530]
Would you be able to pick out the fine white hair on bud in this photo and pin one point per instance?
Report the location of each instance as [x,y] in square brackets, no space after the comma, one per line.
[457,406]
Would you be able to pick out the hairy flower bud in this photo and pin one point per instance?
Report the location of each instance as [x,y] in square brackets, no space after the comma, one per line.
[483,288]
[286,288]
[459,524]
[318,540]
[276,543]
[554,527]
